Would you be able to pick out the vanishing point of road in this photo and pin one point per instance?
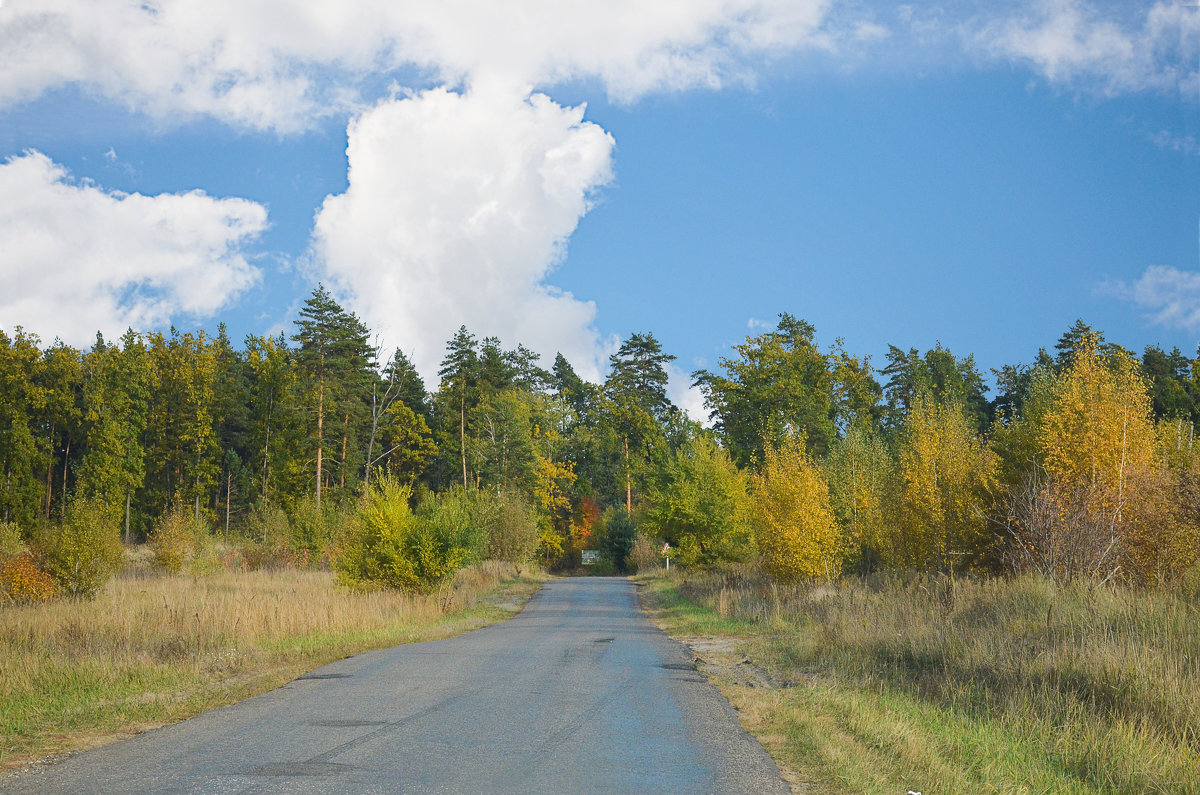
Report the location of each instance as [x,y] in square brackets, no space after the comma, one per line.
[578,693]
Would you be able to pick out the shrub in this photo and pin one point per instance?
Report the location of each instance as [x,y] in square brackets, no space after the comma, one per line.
[179,541]
[21,580]
[85,550]
[11,543]
[448,535]
[512,532]
[310,529]
[389,546]
[644,556]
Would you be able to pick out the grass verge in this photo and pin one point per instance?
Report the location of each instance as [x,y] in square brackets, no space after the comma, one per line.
[940,685]
[149,651]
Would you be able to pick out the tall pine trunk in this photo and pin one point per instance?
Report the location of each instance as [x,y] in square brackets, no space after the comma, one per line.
[628,482]
[462,431]
[320,430]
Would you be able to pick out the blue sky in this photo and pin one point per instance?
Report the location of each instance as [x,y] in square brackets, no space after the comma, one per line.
[894,177]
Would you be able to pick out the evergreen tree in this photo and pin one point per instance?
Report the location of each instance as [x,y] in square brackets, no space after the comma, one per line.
[460,373]
[335,362]
[636,397]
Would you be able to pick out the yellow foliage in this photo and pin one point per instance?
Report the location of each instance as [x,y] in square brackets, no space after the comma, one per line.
[944,476]
[1115,485]
[797,534]
[1098,430]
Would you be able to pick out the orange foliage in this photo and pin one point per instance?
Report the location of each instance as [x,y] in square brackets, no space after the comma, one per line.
[21,580]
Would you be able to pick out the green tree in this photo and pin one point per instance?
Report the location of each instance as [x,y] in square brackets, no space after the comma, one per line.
[939,374]
[779,385]
[699,504]
[335,362]
[859,469]
[460,374]
[117,387]
[23,449]
[637,404]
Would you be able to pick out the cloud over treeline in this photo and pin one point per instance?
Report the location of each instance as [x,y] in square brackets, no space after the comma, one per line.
[76,259]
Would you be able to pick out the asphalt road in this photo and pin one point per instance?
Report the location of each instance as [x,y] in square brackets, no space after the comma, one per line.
[578,693]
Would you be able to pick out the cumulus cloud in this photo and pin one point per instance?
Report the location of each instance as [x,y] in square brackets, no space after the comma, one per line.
[75,259]
[278,63]
[458,206]
[1076,43]
[1169,296]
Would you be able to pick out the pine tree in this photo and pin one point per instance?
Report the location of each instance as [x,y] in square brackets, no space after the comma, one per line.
[335,361]
[636,396]
[460,380]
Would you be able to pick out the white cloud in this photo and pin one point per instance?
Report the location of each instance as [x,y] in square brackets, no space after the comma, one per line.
[1185,144]
[1116,51]
[1169,296]
[688,397]
[75,259]
[458,207]
[279,63]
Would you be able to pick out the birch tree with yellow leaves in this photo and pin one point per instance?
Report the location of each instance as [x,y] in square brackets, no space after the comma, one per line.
[1095,500]
[797,534]
[940,492]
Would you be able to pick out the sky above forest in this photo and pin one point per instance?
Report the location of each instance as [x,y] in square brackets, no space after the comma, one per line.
[564,174]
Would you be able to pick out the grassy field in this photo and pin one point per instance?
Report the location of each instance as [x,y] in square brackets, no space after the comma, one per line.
[155,649]
[941,685]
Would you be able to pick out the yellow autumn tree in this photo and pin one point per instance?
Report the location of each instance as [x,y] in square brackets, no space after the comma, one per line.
[1097,501]
[943,479]
[797,534]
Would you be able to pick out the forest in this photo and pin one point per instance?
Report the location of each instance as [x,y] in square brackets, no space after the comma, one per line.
[316,449]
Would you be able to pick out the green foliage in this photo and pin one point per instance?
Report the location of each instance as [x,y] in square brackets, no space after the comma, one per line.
[620,533]
[512,531]
[11,542]
[85,550]
[938,374]
[860,470]
[699,504]
[390,546]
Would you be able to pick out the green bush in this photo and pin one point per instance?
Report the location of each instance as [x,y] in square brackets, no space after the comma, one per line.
[311,529]
[84,551]
[390,546]
[450,535]
[512,531]
[181,541]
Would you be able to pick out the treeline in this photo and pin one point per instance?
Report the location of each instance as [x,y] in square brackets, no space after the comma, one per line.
[816,462]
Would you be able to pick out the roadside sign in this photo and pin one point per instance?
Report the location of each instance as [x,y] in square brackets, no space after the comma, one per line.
[590,556]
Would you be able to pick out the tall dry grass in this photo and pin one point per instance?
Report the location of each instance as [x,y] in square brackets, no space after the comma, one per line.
[154,648]
[1101,684]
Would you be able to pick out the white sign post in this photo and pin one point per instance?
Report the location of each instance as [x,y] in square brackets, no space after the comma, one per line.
[666,553]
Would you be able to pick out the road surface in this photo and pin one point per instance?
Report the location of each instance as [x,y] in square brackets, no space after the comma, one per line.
[578,693]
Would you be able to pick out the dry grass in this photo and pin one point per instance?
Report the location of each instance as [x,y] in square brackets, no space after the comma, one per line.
[152,649]
[963,685]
